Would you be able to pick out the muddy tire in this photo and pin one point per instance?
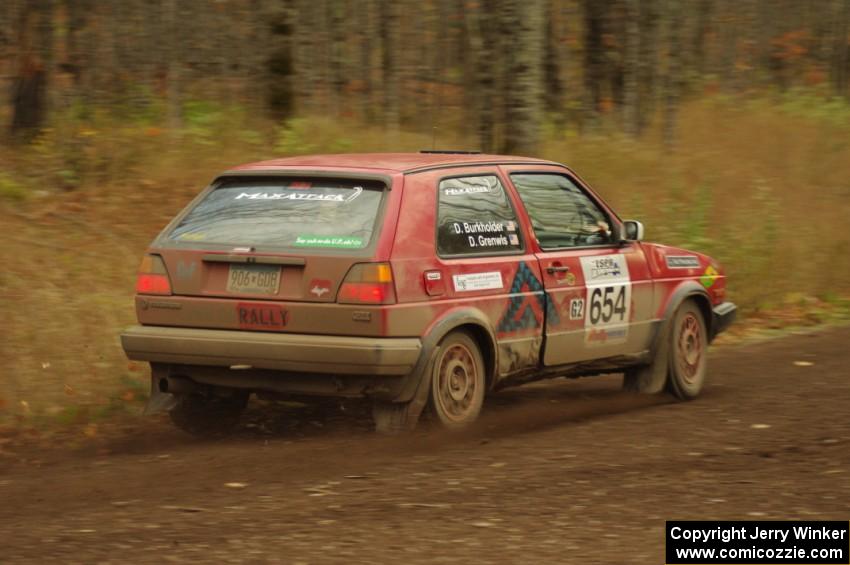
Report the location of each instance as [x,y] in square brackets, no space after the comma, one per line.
[457,381]
[209,415]
[688,343]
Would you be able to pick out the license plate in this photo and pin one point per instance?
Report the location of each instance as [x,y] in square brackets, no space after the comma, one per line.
[253,279]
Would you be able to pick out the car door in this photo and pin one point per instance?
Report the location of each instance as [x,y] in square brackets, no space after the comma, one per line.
[599,288]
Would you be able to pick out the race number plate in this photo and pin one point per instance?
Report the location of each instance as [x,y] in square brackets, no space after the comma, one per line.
[253,279]
[608,300]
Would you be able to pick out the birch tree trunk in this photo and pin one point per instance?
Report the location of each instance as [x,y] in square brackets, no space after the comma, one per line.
[389,20]
[30,86]
[481,25]
[281,64]
[672,81]
[631,93]
[839,64]
[366,23]
[594,62]
[174,95]
[523,76]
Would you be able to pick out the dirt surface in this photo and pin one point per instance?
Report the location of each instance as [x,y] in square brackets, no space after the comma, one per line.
[557,472]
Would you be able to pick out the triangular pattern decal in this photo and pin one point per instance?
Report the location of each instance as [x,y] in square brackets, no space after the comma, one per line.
[527,311]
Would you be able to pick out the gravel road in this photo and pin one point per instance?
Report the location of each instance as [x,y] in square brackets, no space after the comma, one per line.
[557,472]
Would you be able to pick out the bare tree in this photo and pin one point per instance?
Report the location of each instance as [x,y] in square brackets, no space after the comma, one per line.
[725,62]
[366,23]
[175,115]
[482,35]
[648,62]
[554,59]
[631,92]
[703,16]
[33,69]
[594,61]
[673,77]
[281,64]
[389,22]
[492,66]
[839,64]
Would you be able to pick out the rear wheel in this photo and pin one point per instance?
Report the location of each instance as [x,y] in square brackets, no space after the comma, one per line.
[209,414]
[688,351]
[457,381]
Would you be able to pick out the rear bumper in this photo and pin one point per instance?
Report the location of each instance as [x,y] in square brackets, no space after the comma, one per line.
[724,314]
[284,352]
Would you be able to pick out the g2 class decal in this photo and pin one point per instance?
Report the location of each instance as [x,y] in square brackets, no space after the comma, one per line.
[609,299]
[577,309]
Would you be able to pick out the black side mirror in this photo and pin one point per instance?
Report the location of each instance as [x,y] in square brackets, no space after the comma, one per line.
[632,230]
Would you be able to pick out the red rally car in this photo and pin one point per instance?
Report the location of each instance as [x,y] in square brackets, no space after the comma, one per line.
[413,279]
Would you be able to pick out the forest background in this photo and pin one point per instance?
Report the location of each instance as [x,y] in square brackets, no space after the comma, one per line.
[724,125]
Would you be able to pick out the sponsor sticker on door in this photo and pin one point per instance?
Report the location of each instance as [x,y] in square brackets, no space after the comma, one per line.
[478,281]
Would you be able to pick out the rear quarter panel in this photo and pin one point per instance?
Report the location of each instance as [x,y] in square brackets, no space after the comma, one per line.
[514,312]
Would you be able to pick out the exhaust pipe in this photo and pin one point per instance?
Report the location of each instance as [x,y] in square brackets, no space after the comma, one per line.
[178,385]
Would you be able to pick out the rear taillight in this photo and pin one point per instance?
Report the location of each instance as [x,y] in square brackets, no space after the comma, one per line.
[368,283]
[153,278]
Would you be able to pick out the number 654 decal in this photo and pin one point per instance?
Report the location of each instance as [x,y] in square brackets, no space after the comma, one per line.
[609,298]
[607,304]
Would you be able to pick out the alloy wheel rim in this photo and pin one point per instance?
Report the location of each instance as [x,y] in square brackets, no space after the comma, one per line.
[690,348]
[456,382]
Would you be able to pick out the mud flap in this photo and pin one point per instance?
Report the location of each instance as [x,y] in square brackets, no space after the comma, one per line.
[398,417]
[423,391]
[158,401]
[652,378]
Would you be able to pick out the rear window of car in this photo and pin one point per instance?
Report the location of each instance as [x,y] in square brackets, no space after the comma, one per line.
[285,212]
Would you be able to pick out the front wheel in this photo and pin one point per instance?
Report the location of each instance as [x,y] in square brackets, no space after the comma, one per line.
[679,362]
[457,381]
[688,352]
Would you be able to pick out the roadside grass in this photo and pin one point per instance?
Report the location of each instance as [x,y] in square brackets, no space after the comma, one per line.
[762,186]
[764,191]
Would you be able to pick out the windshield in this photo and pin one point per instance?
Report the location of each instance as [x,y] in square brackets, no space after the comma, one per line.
[285,212]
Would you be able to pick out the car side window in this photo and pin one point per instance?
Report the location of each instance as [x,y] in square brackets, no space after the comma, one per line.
[475,217]
[562,215]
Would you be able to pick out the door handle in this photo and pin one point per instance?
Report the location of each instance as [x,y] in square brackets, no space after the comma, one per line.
[557,269]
